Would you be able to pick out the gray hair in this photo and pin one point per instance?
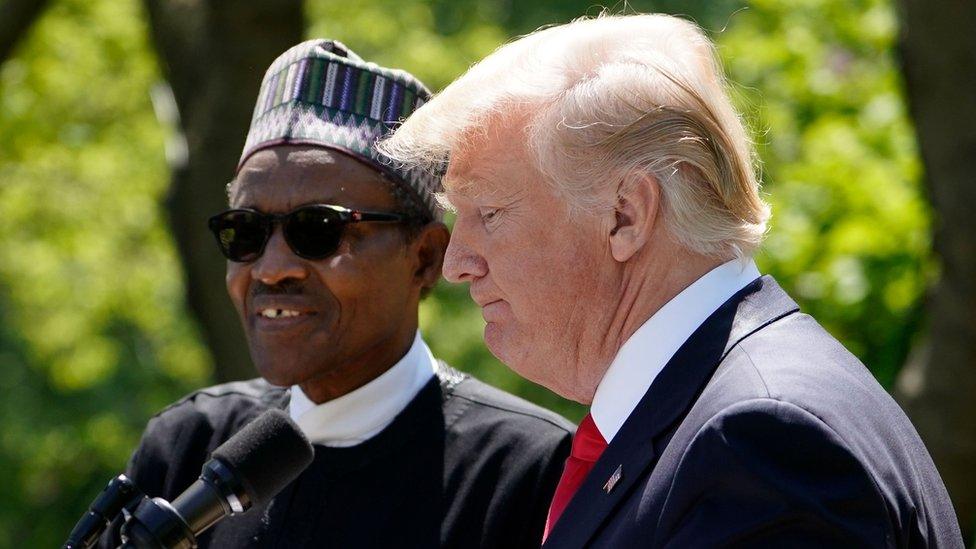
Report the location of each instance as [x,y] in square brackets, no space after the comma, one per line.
[603,100]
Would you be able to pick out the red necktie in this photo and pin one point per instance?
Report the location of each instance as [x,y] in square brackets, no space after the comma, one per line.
[588,444]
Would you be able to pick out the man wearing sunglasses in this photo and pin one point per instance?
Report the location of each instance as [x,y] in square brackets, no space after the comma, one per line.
[330,248]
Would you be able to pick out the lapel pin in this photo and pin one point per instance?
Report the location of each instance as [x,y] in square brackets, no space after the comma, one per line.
[614,479]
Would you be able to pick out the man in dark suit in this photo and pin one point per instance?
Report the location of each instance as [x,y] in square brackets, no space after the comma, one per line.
[607,214]
[330,249]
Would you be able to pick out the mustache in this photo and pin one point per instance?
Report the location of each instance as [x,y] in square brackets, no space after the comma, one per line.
[288,286]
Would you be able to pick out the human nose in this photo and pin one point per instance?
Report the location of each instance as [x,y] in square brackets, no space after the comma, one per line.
[278,262]
[462,263]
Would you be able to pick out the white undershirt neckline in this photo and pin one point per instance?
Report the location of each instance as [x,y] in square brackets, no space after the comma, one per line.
[361,414]
[645,353]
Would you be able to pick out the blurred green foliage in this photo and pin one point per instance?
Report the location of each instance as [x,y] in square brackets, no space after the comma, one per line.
[94,335]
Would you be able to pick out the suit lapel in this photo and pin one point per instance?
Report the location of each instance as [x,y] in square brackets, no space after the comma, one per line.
[667,401]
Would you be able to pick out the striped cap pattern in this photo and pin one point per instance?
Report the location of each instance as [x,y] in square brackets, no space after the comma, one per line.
[321,93]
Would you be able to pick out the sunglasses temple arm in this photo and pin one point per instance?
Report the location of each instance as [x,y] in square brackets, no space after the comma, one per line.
[375,216]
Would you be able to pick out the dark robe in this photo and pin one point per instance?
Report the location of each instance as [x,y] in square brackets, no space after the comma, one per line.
[463,465]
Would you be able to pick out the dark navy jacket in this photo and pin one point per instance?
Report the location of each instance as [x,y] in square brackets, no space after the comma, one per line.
[762,431]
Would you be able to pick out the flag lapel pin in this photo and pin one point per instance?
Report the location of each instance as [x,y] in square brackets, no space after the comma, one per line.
[614,479]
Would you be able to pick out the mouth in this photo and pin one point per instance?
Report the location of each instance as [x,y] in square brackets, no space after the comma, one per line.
[483,301]
[483,293]
[279,313]
[273,317]
[493,311]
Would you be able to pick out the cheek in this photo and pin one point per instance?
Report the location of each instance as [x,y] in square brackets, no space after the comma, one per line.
[552,287]
[364,286]
[537,269]
[238,276]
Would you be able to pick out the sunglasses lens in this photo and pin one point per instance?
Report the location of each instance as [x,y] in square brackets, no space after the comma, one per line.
[240,235]
[314,232]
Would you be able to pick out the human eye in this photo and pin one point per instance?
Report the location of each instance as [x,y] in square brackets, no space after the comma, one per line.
[488,215]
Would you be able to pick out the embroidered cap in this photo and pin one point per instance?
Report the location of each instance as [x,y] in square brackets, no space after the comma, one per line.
[321,93]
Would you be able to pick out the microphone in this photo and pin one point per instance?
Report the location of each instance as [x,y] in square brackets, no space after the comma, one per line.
[120,493]
[246,470]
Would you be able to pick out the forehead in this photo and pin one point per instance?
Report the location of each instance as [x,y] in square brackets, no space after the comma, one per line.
[283,177]
[493,162]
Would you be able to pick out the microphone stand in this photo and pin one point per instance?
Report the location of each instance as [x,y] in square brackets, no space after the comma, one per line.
[149,523]
[156,524]
[118,495]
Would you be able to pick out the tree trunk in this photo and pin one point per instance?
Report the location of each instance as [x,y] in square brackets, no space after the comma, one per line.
[16,18]
[938,384]
[214,54]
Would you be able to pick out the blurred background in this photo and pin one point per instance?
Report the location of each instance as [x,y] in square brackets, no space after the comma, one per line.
[121,121]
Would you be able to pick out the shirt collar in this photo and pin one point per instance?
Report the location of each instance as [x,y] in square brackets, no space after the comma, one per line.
[648,350]
[361,414]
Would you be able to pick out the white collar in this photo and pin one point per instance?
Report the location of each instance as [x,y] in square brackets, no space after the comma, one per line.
[648,350]
[361,414]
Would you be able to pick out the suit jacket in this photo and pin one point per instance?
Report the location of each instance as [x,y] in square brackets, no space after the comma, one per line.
[762,431]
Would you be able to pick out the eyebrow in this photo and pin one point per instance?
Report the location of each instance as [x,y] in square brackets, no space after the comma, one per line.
[444,202]
[459,185]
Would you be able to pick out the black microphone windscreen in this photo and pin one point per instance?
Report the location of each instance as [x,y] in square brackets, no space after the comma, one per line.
[267,454]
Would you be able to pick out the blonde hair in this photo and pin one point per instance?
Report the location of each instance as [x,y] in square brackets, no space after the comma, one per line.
[605,99]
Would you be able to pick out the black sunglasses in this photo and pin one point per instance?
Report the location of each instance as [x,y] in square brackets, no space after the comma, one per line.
[312,232]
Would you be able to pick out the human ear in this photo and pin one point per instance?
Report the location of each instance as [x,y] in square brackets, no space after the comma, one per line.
[635,212]
[429,247]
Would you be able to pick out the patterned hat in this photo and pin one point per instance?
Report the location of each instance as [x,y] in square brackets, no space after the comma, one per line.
[321,93]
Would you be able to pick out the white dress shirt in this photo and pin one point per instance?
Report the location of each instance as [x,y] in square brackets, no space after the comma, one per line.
[361,414]
[648,350]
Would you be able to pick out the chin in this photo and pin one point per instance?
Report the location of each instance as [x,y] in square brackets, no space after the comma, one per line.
[282,373]
[277,377]
[540,368]
[503,343]
[522,363]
